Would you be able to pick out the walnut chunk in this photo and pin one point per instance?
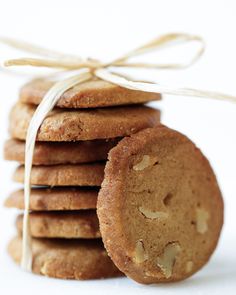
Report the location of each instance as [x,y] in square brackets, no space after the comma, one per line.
[140,255]
[201,223]
[152,214]
[145,162]
[44,268]
[189,266]
[166,261]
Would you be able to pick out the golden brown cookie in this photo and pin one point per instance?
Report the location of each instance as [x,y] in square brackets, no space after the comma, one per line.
[53,153]
[67,259]
[64,175]
[91,94]
[55,199]
[75,125]
[69,225]
[160,208]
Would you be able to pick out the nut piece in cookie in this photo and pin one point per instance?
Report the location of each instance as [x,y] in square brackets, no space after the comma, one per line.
[160,208]
[167,259]
[140,255]
[202,218]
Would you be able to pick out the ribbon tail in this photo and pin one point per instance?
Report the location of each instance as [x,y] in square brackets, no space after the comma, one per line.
[47,104]
[157,88]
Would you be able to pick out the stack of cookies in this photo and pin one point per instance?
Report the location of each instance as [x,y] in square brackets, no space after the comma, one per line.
[68,168]
[159,211]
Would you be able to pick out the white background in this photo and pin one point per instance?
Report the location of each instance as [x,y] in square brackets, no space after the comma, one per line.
[105,29]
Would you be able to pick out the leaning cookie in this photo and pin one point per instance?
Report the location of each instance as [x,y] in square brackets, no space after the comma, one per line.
[160,208]
[52,153]
[55,199]
[69,225]
[92,94]
[67,259]
[76,125]
[90,174]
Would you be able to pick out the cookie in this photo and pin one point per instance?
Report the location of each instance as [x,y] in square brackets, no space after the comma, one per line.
[75,125]
[160,208]
[55,199]
[91,94]
[69,225]
[60,152]
[67,259]
[64,175]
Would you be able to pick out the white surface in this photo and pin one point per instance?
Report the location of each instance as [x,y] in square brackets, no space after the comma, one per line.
[105,29]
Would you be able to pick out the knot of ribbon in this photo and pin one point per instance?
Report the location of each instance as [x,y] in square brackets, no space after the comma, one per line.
[88,69]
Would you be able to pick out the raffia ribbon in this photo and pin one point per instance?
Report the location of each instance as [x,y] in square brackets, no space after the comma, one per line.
[88,69]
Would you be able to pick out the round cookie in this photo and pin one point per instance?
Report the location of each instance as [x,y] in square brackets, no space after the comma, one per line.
[67,259]
[55,199]
[64,175]
[160,208]
[60,152]
[76,125]
[70,225]
[91,94]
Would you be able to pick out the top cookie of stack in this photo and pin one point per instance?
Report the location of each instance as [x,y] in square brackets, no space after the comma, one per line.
[91,94]
[70,153]
[65,124]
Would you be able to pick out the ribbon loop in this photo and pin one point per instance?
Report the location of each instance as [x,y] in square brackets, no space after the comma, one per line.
[159,43]
[48,63]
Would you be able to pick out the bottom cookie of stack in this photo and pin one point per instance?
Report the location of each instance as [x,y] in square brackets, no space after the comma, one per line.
[67,259]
